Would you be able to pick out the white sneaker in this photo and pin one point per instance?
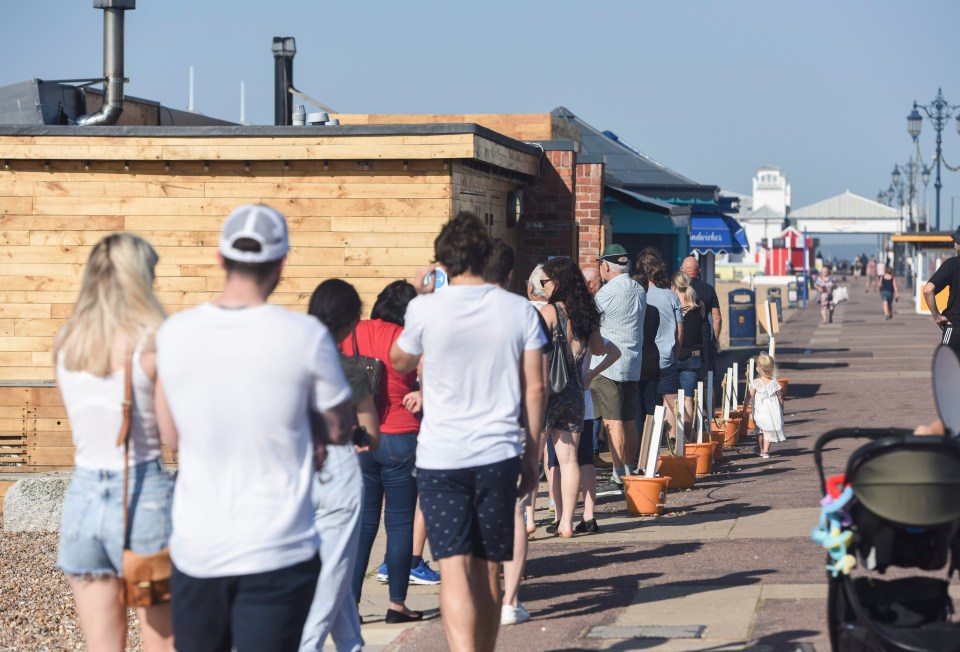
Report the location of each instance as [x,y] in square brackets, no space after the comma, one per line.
[510,615]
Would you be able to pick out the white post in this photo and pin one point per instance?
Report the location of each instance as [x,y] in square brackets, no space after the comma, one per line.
[710,401]
[653,452]
[190,102]
[773,339]
[699,409]
[736,387]
[680,417]
[726,395]
[750,367]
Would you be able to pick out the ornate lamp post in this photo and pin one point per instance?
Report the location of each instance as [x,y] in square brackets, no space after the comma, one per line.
[906,186]
[939,111]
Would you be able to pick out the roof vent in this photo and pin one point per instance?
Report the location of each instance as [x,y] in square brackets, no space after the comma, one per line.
[113,80]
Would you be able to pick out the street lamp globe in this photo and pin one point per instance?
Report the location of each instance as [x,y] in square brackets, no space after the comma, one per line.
[925,176]
[914,122]
[895,175]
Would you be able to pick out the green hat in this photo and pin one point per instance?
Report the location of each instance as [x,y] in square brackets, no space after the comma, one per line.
[615,254]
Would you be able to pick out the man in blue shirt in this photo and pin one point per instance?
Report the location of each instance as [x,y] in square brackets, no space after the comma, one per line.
[622,304]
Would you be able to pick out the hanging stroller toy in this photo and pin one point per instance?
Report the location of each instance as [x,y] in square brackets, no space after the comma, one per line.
[898,504]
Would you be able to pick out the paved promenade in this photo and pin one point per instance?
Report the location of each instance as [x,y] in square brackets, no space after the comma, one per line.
[730,565]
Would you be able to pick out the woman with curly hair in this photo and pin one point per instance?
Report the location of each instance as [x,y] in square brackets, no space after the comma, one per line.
[574,321]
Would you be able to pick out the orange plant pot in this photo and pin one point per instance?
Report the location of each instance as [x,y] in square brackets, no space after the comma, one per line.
[732,433]
[783,385]
[682,470]
[645,496]
[704,453]
[717,437]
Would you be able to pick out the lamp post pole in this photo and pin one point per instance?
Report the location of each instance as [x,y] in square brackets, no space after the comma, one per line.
[939,111]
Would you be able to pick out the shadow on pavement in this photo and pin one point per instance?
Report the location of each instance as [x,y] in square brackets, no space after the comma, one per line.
[803,390]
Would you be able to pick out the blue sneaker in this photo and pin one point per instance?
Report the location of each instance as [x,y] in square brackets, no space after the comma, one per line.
[382,574]
[424,575]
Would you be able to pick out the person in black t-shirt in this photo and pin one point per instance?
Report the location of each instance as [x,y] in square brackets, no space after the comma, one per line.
[706,294]
[947,275]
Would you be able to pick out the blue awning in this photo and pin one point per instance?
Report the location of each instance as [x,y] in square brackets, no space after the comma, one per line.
[716,234]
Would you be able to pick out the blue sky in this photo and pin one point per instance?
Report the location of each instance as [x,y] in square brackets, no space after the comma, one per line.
[712,89]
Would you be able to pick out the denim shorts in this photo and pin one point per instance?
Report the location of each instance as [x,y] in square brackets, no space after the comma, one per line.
[669,381]
[91,529]
[689,374]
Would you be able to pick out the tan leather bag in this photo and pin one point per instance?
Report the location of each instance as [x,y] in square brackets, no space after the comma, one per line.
[146,578]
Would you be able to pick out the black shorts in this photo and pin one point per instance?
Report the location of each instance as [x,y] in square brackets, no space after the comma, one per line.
[262,611]
[584,446]
[470,511]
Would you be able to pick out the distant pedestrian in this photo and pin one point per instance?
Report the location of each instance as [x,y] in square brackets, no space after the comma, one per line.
[871,273]
[707,294]
[622,304]
[669,334]
[472,449]
[889,292]
[237,382]
[535,291]
[857,267]
[826,284]
[592,276]
[574,322]
[766,397]
[107,341]
[337,495]
[946,276]
[696,338]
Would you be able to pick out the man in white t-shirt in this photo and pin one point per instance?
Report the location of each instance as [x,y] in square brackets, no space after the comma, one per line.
[237,379]
[481,349]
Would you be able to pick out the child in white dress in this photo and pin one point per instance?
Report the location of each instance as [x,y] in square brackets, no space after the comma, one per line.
[767,399]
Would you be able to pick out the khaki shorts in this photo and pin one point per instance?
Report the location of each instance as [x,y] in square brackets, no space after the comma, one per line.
[614,400]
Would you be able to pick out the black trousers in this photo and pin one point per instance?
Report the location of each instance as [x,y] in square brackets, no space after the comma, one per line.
[261,612]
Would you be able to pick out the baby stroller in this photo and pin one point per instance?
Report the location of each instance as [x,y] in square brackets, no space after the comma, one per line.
[898,504]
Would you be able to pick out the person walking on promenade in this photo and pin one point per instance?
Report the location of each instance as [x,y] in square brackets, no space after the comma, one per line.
[708,295]
[889,292]
[237,380]
[696,338]
[472,448]
[622,304]
[946,276]
[826,284]
[592,277]
[669,333]
[574,323]
[766,397]
[871,273]
[336,495]
[107,342]
[389,485]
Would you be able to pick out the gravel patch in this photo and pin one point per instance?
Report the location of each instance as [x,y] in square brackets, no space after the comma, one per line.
[37,613]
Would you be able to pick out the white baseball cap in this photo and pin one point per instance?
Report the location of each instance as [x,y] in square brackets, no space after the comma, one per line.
[262,224]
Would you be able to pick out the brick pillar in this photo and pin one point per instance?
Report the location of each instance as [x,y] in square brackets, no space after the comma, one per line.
[589,205]
[549,228]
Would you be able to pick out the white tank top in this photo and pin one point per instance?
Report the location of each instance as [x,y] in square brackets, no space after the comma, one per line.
[95,407]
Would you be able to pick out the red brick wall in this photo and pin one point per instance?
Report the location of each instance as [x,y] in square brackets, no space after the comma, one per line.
[549,228]
[588,196]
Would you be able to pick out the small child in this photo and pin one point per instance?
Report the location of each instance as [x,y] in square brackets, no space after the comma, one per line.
[767,399]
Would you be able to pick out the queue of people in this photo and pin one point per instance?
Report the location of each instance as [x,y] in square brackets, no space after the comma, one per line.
[295,433]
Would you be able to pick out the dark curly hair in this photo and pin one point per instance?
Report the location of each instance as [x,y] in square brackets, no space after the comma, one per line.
[650,263]
[463,245]
[391,303]
[570,288]
[336,304]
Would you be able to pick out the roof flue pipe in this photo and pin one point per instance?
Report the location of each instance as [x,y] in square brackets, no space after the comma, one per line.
[112,106]
[284,48]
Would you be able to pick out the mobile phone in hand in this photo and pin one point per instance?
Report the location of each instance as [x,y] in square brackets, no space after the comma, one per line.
[361,438]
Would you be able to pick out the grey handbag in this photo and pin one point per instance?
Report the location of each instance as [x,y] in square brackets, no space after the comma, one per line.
[557,373]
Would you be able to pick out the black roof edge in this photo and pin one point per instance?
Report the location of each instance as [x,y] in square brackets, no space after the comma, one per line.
[556,145]
[640,187]
[273,131]
[591,158]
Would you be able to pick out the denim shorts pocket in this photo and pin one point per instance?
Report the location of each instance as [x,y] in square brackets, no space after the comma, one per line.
[150,526]
[76,507]
[400,449]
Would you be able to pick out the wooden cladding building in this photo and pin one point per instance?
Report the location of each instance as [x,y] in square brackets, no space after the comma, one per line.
[363,203]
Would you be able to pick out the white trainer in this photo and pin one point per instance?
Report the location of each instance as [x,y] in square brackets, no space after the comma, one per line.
[510,615]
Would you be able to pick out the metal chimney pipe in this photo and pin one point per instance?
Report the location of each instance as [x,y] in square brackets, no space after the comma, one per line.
[112,106]
[284,48]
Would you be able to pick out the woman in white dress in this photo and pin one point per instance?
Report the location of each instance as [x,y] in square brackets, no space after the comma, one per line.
[767,399]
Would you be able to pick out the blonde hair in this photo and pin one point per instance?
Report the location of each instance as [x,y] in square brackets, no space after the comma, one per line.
[766,365]
[681,281]
[116,301]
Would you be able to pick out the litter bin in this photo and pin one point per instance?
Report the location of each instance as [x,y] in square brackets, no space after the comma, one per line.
[793,294]
[776,299]
[743,318]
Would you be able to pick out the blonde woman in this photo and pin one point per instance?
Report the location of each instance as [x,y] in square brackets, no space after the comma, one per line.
[113,321]
[696,336]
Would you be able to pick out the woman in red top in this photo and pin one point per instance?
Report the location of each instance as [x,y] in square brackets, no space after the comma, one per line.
[388,472]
